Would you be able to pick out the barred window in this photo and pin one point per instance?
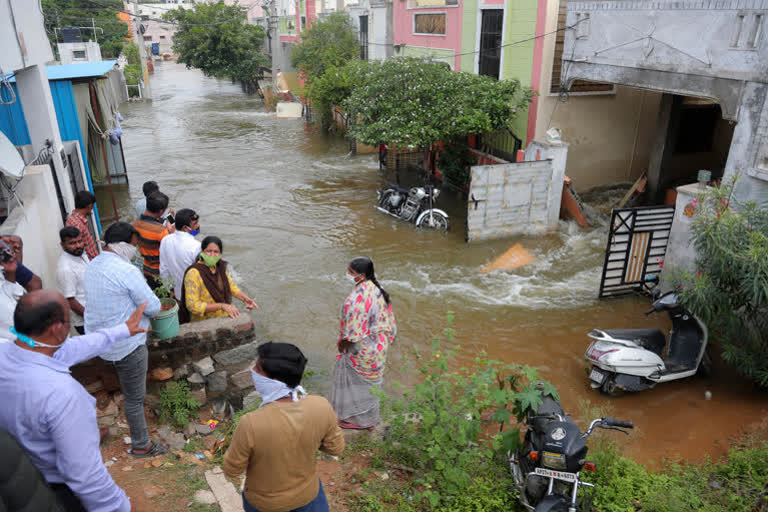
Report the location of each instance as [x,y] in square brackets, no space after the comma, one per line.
[429,23]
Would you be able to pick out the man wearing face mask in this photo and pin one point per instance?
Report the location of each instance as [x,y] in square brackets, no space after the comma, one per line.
[70,272]
[276,445]
[113,288]
[179,250]
[48,412]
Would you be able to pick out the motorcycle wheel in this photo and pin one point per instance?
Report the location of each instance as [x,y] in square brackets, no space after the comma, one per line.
[439,222]
[554,503]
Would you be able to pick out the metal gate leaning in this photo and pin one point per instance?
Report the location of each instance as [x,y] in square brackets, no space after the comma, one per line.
[637,244]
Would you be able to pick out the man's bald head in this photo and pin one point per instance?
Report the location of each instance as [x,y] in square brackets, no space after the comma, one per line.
[37,311]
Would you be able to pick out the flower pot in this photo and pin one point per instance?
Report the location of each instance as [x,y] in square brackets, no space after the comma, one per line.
[166,323]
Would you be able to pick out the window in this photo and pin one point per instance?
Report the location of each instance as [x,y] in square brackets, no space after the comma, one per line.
[429,23]
[162,37]
[557,64]
[78,54]
[147,38]
[431,3]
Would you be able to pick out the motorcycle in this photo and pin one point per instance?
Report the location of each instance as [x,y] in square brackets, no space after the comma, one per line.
[413,205]
[546,469]
[631,359]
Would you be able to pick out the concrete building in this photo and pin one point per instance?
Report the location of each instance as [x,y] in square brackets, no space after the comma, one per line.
[81,51]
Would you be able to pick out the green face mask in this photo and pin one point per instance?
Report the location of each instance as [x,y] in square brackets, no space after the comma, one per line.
[211,261]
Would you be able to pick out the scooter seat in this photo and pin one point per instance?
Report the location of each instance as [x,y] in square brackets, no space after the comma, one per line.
[651,339]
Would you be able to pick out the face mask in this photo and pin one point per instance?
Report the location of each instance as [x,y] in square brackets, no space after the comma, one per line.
[272,390]
[29,341]
[124,250]
[351,278]
[194,232]
[211,261]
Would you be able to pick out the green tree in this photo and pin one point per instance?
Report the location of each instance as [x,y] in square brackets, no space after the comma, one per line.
[329,42]
[414,103]
[729,289]
[82,13]
[216,39]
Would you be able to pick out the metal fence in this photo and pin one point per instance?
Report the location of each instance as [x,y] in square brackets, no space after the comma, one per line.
[502,143]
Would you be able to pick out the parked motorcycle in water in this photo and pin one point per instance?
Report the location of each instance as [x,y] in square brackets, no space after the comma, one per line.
[547,467]
[631,359]
[413,205]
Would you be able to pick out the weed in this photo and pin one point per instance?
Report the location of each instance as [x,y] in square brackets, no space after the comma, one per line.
[176,404]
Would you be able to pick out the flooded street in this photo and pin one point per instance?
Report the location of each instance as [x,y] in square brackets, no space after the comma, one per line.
[293,208]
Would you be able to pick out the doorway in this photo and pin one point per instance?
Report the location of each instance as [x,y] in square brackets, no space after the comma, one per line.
[491,26]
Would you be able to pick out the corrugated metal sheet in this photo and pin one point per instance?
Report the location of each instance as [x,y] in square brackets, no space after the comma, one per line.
[508,199]
[77,70]
[12,121]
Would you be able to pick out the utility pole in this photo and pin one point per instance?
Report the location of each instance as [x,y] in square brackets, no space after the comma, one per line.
[95,37]
[138,37]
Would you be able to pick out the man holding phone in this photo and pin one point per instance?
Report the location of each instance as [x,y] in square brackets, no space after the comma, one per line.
[152,230]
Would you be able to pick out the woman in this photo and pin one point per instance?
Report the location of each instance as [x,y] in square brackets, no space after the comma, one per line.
[367,329]
[208,287]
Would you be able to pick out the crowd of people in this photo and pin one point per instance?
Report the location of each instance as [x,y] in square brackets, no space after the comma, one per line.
[105,294]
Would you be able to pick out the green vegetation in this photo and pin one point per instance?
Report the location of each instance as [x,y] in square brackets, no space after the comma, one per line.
[729,289]
[455,161]
[216,39]
[79,13]
[176,404]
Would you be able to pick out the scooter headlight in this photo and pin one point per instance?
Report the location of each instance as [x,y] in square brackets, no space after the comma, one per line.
[435,193]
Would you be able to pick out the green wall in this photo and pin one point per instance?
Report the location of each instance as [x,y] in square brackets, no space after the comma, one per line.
[422,52]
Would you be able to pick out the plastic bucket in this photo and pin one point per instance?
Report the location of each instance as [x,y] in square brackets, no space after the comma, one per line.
[166,324]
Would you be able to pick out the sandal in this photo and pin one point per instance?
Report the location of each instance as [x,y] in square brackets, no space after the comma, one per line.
[352,426]
[154,450]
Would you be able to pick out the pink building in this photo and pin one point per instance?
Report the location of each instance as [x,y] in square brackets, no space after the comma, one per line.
[429,28]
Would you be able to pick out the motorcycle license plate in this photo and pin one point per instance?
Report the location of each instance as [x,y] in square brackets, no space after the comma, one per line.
[558,475]
[597,376]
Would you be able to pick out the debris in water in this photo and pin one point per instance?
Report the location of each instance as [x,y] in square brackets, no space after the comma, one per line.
[708,395]
[513,258]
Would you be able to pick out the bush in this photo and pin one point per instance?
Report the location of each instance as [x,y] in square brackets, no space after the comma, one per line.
[176,404]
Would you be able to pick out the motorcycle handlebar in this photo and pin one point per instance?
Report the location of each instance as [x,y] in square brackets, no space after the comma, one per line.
[617,423]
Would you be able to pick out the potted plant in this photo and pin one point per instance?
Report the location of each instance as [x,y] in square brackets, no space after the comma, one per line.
[166,323]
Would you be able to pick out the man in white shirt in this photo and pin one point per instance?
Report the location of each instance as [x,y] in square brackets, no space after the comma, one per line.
[179,250]
[10,292]
[70,272]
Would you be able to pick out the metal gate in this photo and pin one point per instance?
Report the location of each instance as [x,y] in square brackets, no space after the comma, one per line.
[637,243]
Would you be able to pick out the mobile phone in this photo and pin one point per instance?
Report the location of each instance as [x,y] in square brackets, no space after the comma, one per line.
[170,219]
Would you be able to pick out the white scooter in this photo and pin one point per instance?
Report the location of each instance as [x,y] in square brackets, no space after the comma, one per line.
[631,359]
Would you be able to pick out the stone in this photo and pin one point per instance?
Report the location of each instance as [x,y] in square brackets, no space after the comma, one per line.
[107,421]
[127,440]
[199,395]
[251,398]
[196,378]
[95,386]
[161,374]
[114,431]
[189,430]
[217,381]
[118,398]
[205,497]
[109,463]
[228,498]
[109,409]
[175,440]
[181,372]
[102,399]
[203,429]
[242,379]
[204,366]
[244,352]
[221,409]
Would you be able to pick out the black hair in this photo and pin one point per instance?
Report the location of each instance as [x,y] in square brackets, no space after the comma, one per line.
[283,362]
[148,187]
[119,232]
[184,218]
[157,202]
[212,240]
[34,319]
[363,265]
[84,199]
[68,232]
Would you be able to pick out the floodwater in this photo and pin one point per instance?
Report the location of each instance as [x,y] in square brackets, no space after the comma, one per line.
[292,208]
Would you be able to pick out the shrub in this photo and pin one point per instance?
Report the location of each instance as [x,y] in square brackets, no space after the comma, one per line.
[176,404]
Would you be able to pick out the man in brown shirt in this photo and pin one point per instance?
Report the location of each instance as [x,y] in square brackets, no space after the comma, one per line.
[276,445]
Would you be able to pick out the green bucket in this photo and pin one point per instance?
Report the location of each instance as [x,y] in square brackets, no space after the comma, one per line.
[166,324]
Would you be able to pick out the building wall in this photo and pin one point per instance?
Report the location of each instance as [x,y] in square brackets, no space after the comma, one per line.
[420,44]
[32,45]
[67,51]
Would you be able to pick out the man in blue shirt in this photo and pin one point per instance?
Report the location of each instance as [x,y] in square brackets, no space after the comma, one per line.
[48,412]
[113,288]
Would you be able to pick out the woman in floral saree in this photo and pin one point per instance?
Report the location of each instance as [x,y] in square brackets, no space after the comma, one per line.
[367,329]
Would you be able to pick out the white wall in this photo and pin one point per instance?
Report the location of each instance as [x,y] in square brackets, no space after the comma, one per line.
[67,52]
[32,45]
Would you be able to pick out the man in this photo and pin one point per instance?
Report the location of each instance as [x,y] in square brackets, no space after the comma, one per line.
[48,412]
[179,250]
[84,202]
[70,272]
[281,474]
[113,288]
[147,188]
[151,232]
[13,245]
[10,291]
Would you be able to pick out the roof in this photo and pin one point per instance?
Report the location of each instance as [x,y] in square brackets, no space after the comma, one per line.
[78,70]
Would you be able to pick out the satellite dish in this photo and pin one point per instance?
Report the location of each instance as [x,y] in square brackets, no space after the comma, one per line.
[11,163]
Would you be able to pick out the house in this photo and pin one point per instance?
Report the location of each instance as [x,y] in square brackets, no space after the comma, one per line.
[79,51]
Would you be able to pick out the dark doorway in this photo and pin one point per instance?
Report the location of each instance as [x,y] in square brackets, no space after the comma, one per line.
[490,42]
[363,37]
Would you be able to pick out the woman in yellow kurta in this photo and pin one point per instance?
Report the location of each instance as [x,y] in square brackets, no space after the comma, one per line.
[208,287]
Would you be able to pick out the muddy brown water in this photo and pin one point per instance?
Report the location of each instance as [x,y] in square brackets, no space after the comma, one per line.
[292,208]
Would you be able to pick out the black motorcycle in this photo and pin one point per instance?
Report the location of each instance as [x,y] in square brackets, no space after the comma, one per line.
[547,467]
[413,204]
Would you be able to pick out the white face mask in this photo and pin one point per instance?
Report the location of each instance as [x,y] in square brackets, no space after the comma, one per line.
[351,278]
[124,250]
[272,390]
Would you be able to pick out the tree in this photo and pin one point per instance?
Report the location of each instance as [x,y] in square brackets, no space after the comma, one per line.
[82,13]
[414,103]
[216,39]
[729,289]
[329,42]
